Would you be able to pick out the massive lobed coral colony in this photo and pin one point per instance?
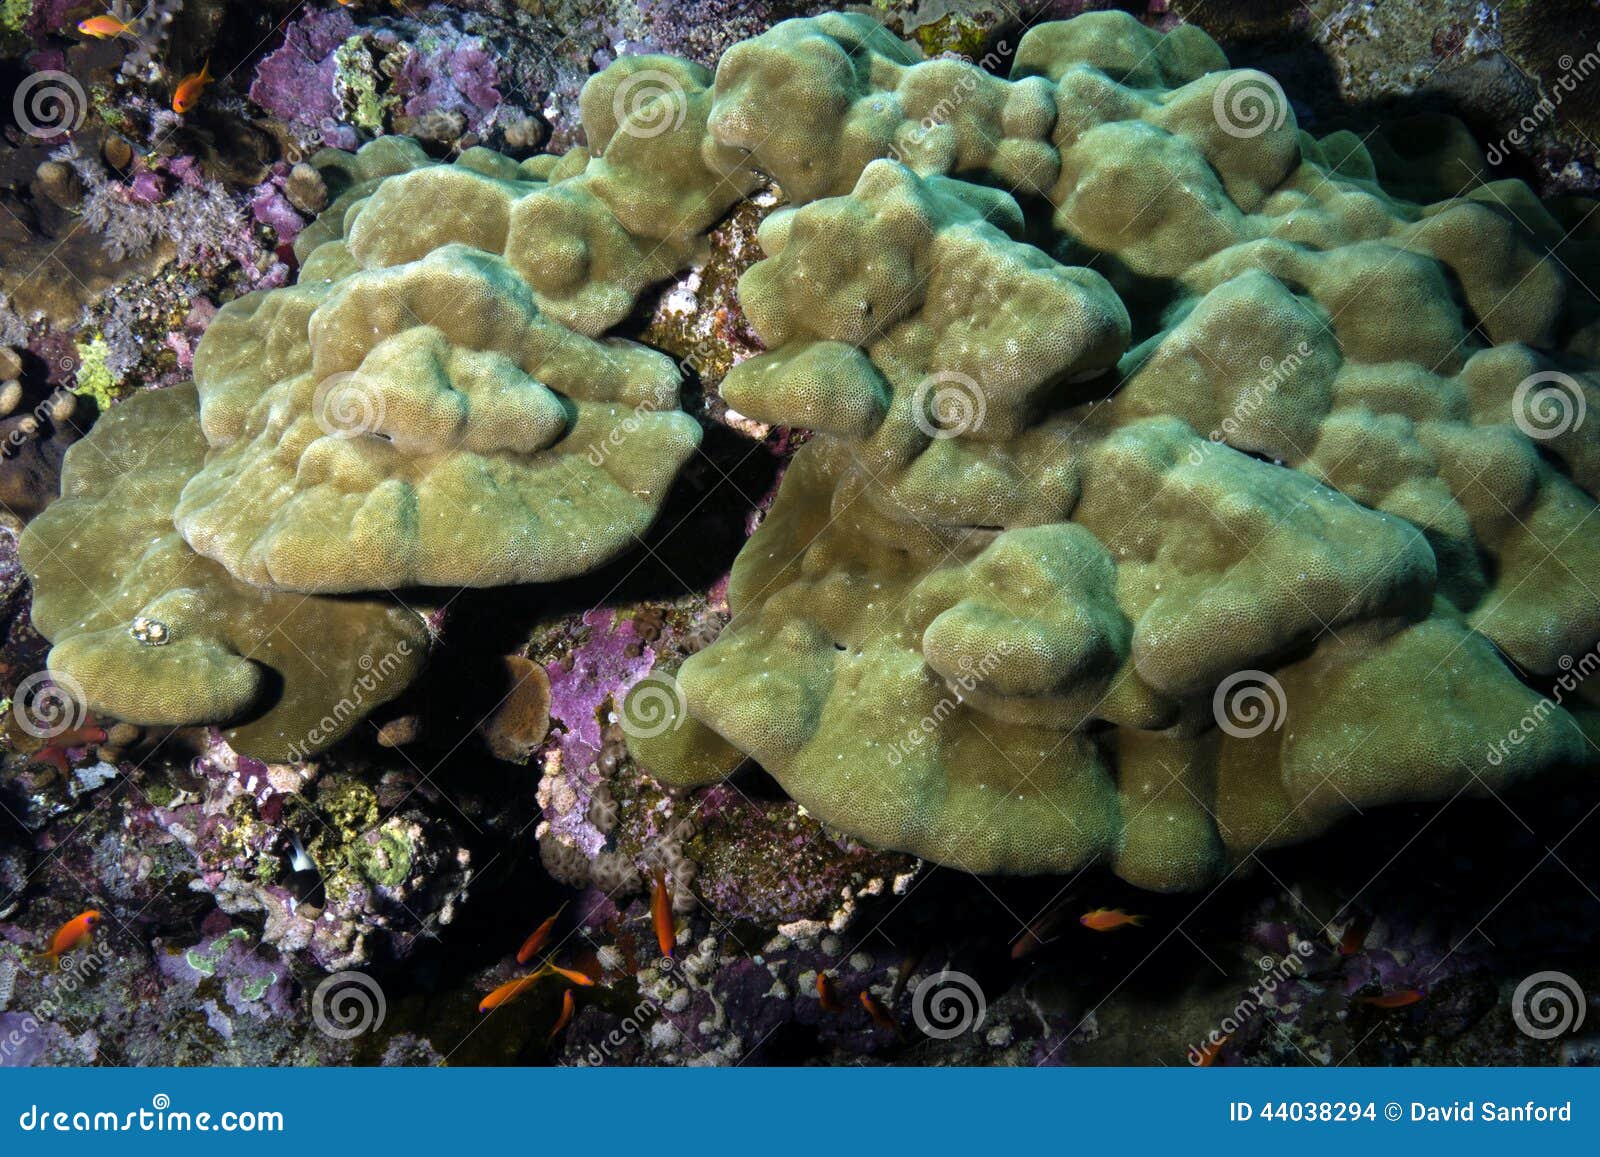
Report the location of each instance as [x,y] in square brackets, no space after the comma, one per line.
[1180,483]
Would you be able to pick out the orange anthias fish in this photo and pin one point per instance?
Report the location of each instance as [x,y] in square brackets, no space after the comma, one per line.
[1206,1054]
[73,934]
[661,913]
[1109,920]
[880,1015]
[567,1007]
[105,27]
[508,992]
[581,979]
[826,994]
[534,942]
[1400,998]
[187,94]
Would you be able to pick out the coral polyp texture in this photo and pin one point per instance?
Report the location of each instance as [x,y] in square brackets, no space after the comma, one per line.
[1176,489]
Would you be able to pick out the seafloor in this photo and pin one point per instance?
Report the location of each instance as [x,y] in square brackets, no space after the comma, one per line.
[438,855]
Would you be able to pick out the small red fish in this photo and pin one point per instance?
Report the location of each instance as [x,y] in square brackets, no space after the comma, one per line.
[1399,998]
[187,94]
[661,913]
[567,1007]
[880,1015]
[105,27]
[1206,1055]
[73,934]
[1037,934]
[1355,935]
[55,752]
[1109,920]
[903,975]
[508,992]
[826,994]
[535,941]
[581,979]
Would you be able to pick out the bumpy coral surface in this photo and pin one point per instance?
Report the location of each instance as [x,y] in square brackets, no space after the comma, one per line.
[147,631]
[1180,483]
[408,413]
[1284,512]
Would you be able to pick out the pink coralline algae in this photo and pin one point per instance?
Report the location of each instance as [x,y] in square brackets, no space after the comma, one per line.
[50,16]
[603,669]
[296,83]
[451,74]
[147,188]
[269,207]
[436,68]
[252,985]
[182,341]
